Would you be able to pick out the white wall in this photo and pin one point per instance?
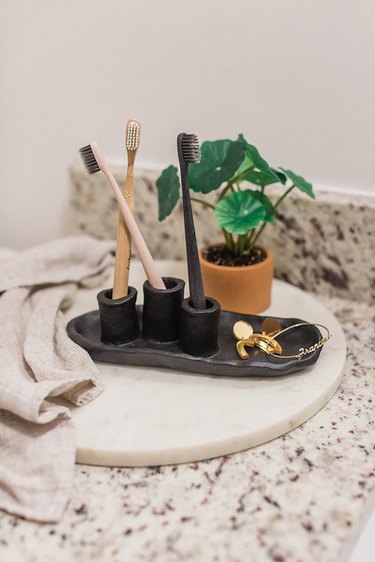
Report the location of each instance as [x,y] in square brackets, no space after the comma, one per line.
[297,77]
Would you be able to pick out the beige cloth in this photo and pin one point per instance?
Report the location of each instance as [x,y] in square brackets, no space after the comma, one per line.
[38,360]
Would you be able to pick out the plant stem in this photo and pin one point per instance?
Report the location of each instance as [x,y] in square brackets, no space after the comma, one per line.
[228,187]
[280,200]
[241,243]
[238,245]
[259,232]
[228,239]
[240,176]
[202,202]
[233,181]
[251,237]
[248,238]
[283,197]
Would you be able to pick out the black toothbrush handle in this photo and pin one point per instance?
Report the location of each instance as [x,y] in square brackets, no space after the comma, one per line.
[197,297]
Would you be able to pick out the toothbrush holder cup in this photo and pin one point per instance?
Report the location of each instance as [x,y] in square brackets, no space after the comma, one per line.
[118,317]
[199,328]
[162,310]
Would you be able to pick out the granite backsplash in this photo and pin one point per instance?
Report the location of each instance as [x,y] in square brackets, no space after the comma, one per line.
[324,246]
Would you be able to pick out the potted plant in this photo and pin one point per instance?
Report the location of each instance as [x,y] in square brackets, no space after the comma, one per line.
[238,271]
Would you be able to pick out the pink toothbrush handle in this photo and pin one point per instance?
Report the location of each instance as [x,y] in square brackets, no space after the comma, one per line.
[148,263]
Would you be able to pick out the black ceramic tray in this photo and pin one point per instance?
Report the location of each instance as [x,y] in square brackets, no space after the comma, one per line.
[85,330]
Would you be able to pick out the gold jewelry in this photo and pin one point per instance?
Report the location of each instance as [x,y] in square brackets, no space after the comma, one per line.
[266,340]
[304,350]
[243,332]
[270,326]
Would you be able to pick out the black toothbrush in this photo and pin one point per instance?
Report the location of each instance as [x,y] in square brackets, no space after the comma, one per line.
[189,153]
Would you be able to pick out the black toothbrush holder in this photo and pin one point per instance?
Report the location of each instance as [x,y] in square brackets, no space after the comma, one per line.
[200,328]
[118,317]
[162,310]
[166,317]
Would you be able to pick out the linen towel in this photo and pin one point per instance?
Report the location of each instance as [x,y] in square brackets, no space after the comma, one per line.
[38,360]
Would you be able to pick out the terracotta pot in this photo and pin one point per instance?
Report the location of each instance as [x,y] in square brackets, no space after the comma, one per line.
[239,289]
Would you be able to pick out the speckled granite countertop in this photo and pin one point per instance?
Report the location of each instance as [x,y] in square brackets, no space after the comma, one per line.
[299,498]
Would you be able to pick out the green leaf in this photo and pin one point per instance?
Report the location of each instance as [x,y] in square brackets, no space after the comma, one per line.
[259,162]
[270,215]
[280,175]
[168,185]
[300,182]
[245,165]
[219,160]
[260,178]
[240,212]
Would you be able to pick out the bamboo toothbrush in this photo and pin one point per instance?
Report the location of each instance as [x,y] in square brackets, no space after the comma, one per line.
[123,243]
[189,153]
[94,161]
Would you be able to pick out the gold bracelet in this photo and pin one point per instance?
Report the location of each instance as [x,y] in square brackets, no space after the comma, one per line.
[303,350]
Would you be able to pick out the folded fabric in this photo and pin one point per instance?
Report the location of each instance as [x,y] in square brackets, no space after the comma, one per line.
[38,360]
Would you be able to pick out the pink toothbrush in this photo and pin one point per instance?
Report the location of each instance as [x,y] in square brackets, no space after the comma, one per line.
[94,161]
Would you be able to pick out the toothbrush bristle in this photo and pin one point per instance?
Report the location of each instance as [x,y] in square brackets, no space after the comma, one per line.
[89,159]
[132,135]
[190,148]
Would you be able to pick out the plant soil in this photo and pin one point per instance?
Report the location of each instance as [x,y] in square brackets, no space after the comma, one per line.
[221,255]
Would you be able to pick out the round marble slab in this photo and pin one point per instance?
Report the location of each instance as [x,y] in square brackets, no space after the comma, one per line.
[150,416]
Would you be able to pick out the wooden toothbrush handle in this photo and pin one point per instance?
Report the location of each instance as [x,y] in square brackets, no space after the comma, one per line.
[148,263]
[123,243]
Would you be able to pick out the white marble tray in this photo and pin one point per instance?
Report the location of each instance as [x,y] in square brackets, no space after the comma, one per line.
[150,416]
